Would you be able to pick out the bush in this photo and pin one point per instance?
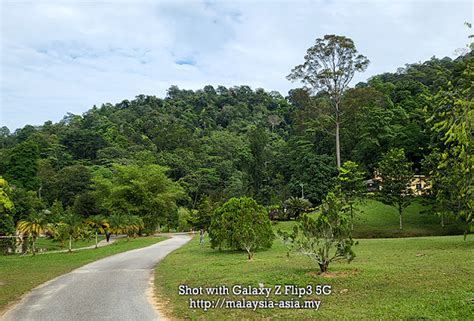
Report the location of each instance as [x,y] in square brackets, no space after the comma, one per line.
[241,224]
[295,206]
[325,238]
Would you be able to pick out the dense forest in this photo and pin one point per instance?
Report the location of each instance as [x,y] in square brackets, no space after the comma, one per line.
[154,157]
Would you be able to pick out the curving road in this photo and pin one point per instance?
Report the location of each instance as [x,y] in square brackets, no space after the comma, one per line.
[113,288]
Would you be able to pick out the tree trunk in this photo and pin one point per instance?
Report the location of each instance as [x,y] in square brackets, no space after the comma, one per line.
[400,213]
[442,219]
[70,243]
[33,243]
[323,266]
[95,239]
[352,219]
[338,147]
[250,254]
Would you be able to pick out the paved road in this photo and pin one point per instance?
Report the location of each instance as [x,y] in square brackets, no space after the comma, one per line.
[113,288]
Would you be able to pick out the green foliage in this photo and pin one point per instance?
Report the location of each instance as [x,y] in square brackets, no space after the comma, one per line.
[6,207]
[33,226]
[144,191]
[98,224]
[324,237]
[184,219]
[304,166]
[229,142]
[23,165]
[296,206]
[350,186]
[241,224]
[202,216]
[396,176]
[70,227]
[73,180]
[26,202]
[131,225]
[454,123]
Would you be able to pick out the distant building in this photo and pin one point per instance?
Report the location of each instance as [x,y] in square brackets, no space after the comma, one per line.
[418,185]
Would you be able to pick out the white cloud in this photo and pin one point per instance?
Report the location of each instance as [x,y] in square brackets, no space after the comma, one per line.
[65,56]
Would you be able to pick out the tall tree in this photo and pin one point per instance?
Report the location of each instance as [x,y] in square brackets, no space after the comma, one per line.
[454,123]
[330,66]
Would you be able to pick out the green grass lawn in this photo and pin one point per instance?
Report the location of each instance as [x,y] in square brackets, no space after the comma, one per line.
[376,220]
[426,278]
[19,274]
[48,244]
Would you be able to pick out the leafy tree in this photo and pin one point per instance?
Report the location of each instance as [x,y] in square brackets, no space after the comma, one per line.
[26,202]
[6,207]
[241,224]
[330,66]
[145,191]
[7,227]
[57,211]
[184,219]
[72,181]
[203,214]
[85,204]
[324,236]
[368,126]
[304,166]
[453,121]
[395,172]
[257,163]
[351,186]
[23,165]
[33,226]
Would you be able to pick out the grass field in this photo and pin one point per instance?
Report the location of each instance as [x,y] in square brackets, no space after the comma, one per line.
[19,274]
[48,244]
[426,278]
[376,220]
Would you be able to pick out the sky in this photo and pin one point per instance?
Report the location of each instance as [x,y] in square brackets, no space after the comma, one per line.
[66,56]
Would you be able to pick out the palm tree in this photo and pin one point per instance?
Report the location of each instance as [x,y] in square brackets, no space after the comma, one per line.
[33,226]
[99,224]
[125,224]
[71,226]
[134,224]
[117,224]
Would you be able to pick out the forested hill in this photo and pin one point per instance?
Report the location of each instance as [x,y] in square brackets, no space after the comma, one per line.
[223,142]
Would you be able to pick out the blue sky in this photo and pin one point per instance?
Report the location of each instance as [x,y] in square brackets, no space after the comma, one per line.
[65,56]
